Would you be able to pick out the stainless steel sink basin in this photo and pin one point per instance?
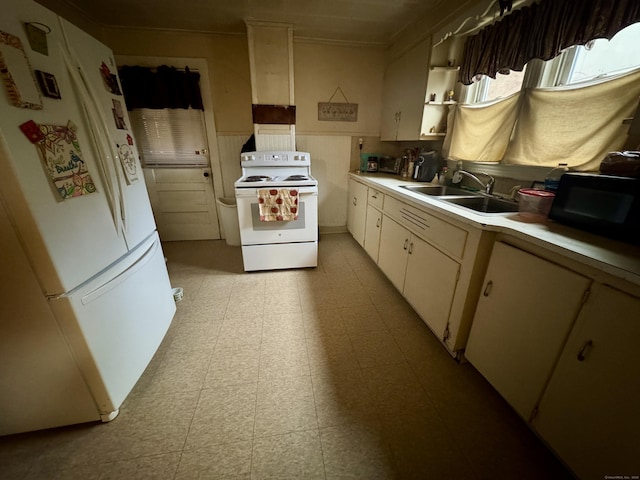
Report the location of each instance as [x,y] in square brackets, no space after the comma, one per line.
[438,190]
[484,204]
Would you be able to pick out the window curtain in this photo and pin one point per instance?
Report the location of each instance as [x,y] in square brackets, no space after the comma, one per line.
[577,124]
[481,132]
[574,125]
[542,30]
[163,87]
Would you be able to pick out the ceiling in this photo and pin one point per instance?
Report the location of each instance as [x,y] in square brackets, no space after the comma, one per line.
[357,21]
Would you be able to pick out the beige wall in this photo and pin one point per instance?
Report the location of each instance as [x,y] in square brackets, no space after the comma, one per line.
[320,68]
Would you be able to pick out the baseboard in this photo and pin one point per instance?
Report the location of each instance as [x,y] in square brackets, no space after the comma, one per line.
[332,229]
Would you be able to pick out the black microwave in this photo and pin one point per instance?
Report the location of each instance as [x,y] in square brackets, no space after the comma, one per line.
[602,204]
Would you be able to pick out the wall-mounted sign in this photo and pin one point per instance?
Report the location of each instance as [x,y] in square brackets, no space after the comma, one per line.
[337,112]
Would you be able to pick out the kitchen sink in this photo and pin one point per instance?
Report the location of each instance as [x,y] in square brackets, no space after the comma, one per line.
[438,190]
[484,204]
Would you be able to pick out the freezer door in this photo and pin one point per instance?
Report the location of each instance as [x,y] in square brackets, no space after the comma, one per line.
[116,322]
[89,55]
[68,241]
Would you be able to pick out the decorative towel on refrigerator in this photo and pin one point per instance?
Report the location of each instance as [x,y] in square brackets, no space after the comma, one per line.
[278,205]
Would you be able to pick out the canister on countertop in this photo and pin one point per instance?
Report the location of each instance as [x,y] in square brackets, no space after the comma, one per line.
[534,205]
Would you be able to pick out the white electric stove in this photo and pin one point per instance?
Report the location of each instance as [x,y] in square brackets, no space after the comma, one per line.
[272,245]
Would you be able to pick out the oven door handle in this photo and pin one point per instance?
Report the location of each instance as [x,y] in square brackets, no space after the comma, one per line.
[253,192]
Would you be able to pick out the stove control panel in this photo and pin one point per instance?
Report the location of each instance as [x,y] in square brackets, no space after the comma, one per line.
[272,159]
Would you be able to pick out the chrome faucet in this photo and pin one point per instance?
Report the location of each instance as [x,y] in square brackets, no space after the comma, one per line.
[459,173]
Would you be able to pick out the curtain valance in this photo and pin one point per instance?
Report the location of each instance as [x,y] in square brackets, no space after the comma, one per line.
[542,30]
[162,87]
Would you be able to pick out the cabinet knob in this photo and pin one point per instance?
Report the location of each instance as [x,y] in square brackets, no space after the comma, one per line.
[206,174]
[406,243]
[487,289]
[582,354]
[410,248]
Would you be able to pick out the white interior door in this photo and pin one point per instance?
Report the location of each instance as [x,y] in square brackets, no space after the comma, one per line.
[183,198]
[183,203]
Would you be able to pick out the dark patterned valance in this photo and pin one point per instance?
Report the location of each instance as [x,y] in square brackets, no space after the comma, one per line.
[542,30]
[162,87]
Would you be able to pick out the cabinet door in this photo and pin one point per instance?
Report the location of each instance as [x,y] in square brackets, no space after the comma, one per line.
[430,284]
[392,256]
[522,321]
[590,414]
[404,94]
[372,232]
[390,102]
[357,210]
[413,91]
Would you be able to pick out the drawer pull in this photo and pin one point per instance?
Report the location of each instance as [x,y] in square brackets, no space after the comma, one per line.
[355,201]
[374,196]
[406,242]
[410,248]
[487,289]
[582,354]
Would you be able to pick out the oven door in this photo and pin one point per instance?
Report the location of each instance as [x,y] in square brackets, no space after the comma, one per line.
[255,232]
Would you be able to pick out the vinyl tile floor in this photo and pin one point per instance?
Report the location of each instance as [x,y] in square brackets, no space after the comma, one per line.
[320,373]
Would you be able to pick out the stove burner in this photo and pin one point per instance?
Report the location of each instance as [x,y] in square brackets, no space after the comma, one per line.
[257,178]
[297,177]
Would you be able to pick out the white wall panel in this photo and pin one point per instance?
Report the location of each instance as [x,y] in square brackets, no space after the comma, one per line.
[330,155]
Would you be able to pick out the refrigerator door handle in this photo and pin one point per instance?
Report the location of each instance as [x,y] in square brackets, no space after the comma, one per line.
[103,163]
[121,277]
[113,282]
[94,119]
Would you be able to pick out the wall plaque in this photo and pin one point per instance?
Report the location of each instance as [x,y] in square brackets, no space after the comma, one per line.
[337,112]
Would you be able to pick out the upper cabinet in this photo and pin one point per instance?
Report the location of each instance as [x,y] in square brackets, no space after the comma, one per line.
[405,83]
[416,99]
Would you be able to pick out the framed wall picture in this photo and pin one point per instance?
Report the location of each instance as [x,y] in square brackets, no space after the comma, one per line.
[48,84]
[17,74]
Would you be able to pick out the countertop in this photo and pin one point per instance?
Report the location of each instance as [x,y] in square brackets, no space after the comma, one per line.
[616,258]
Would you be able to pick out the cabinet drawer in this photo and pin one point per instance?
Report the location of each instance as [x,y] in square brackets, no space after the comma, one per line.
[376,198]
[445,236]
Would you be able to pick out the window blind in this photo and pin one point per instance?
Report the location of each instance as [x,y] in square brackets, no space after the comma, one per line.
[170,137]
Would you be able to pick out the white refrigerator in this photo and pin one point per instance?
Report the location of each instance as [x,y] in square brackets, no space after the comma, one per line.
[85,298]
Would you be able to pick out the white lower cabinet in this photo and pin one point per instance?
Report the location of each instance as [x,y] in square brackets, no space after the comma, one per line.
[394,245]
[524,315]
[590,411]
[426,277]
[372,229]
[357,210]
[430,284]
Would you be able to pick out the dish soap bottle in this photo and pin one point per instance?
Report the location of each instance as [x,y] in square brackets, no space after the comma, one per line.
[442,178]
[552,180]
